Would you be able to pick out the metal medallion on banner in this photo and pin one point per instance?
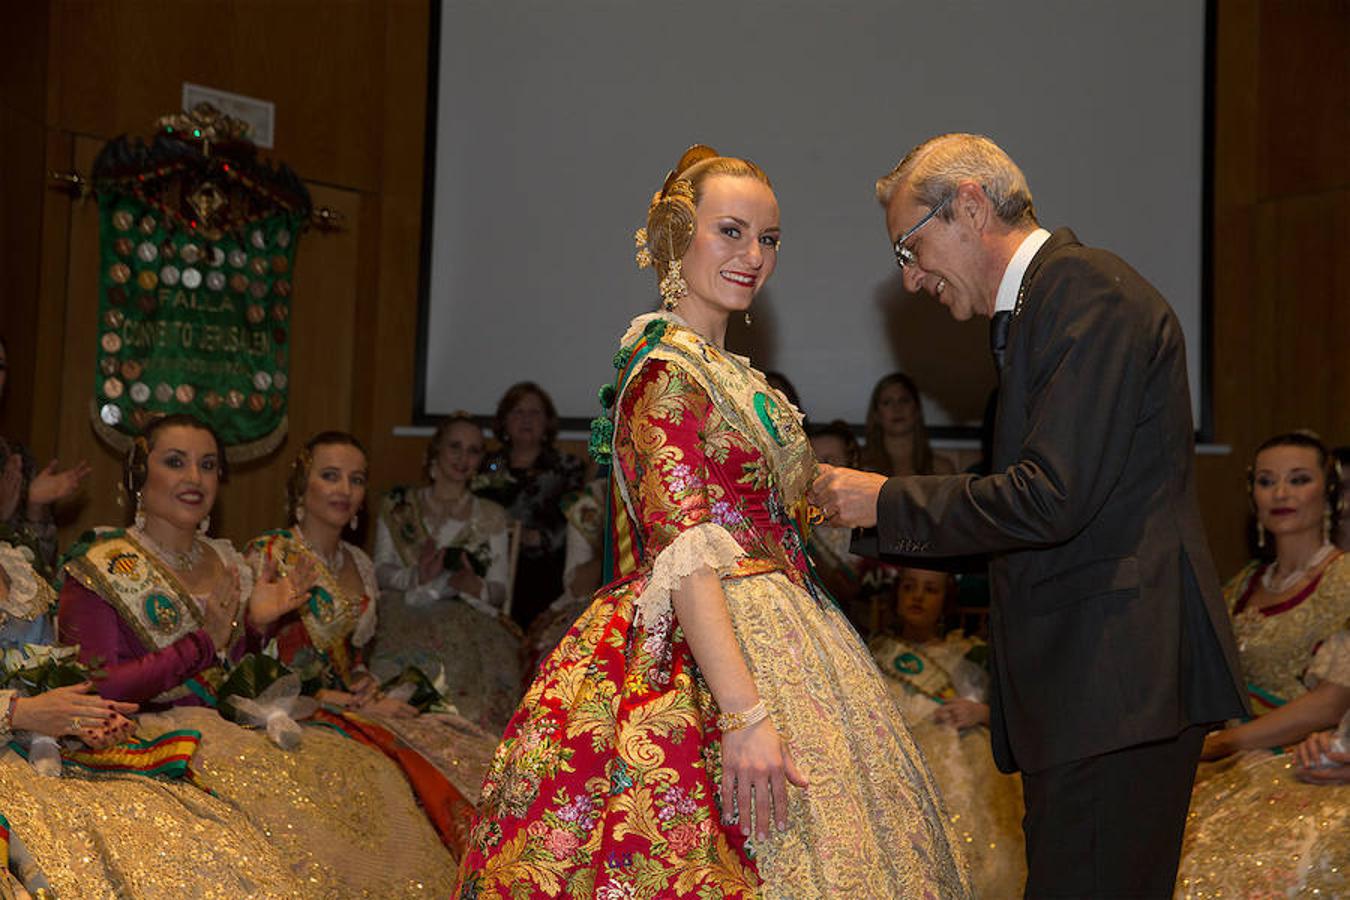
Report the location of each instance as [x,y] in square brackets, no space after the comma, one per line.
[197,245]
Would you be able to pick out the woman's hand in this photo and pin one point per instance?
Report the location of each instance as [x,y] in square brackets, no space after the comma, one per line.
[50,486]
[66,711]
[1218,744]
[430,562]
[220,610]
[1309,755]
[465,580]
[340,699]
[275,594]
[384,705]
[962,713]
[756,758]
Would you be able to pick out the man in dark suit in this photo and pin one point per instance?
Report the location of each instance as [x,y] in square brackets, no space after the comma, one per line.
[1112,649]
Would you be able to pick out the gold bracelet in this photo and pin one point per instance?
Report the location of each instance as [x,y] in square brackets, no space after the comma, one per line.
[736,721]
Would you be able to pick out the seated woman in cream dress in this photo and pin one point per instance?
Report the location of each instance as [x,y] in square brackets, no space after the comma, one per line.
[163,610]
[941,682]
[1253,828]
[443,618]
[103,829]
[325,632]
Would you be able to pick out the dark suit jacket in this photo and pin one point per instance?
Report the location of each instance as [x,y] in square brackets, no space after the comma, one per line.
[1107,624]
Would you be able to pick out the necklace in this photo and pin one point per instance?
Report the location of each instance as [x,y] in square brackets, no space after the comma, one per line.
[1285,582]
[440,510]
[334,562]
[179,562]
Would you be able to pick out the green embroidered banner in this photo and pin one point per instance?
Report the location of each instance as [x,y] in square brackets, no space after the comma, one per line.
[197,247]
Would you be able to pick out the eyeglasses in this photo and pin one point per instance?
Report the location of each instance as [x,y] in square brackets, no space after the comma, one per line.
[905,256]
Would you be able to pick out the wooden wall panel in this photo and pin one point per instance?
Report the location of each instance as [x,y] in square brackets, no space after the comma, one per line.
[1304,96]
[349,81]
[120,65]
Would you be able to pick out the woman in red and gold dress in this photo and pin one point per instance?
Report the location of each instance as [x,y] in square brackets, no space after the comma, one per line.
[711,726]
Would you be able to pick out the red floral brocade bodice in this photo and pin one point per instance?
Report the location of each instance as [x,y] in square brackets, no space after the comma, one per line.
[703,440]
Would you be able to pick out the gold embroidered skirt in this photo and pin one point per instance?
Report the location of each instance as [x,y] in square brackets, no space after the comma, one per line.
[1254,830]
[872,823]
[97,836]
[340,812]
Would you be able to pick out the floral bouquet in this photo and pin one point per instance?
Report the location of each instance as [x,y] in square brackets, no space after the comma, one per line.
[416,689]
[34,668]
[479,555]
[496,485]
[259,691]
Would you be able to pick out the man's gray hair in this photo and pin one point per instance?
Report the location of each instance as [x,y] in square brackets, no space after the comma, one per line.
[934,169]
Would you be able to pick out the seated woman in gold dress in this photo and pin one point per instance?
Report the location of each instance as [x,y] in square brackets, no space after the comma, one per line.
[163,610]
[123,818]
[443,618]
[324,630]
[1253,827]
[941,682]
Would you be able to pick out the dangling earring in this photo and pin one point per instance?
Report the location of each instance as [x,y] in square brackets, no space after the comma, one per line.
[747,317]
[673,287]
[1260,534]
[299,513]
[355,522]
[1326,522]
[204,526]
[139,519]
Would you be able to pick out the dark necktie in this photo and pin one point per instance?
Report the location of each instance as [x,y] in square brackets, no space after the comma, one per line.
[998,336]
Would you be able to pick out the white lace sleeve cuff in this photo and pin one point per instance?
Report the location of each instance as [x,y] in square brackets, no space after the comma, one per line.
[6,698]
[29,596]
[703,545]
[1331,662]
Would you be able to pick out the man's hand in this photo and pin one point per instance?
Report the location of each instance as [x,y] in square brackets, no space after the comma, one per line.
[846,496]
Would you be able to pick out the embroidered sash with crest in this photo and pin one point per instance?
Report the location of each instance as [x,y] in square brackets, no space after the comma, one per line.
[149,597]
[330,614]
[916,670]
[403,517]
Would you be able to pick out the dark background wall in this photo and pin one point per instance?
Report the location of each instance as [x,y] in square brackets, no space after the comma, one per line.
[349,82]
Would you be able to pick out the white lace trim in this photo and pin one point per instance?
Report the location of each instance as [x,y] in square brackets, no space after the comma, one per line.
[365,625]
[234,560]
[703,545]
[1331,662]
[29,596]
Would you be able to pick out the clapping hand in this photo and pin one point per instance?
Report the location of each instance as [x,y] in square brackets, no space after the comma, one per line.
[275,594]
[50,486]
[430,562]
[220,610]
[465,580]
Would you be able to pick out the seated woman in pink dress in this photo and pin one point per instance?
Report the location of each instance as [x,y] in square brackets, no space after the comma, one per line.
[164,611]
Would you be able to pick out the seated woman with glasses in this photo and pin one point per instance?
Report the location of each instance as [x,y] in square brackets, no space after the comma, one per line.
[529,475]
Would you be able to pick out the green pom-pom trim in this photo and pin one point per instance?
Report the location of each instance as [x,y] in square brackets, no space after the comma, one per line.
[622,357]
[606,395]
[655,329]
[601,445]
